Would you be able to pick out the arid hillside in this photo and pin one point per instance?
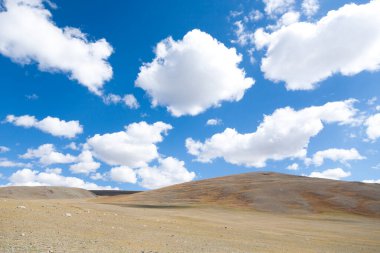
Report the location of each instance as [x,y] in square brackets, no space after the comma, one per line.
[273,192]
[216,215]
[44,192]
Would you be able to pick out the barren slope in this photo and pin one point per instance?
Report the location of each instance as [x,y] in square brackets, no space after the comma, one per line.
[44,192]
[44,226]
[271,192]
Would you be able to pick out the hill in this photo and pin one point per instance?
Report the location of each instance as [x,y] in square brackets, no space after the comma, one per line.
[271,192]
[44,192]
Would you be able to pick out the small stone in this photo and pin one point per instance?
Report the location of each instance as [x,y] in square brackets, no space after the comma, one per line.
[21,207]
[68,215]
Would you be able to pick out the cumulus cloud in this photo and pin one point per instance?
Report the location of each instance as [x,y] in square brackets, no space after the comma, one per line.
[168,172]
[29,35]
[72,146]
[310,7]
[123,174]
[53,170]
[85,163]
[51,125]
[4,162]
[4,149]
[288,18]
[334,154]
[371,181]
[335,174]
[31,96]
[293,166]
[274,7]
[98,176]
[373,126]
[253,15]
[47,155]
[191,75]
[28,177]
[134,147]
[213,122]
[284,134]
[302,54]
[243,36]
[129,100]
[111,99]
[372,101]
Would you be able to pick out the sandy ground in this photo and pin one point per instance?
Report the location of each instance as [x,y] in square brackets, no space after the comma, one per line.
[82,226]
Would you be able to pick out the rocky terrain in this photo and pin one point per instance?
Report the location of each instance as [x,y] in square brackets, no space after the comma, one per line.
[229,214]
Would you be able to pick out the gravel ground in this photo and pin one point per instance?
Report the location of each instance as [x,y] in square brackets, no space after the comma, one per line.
[82,226]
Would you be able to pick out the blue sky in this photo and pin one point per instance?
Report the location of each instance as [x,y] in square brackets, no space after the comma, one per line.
[97,96]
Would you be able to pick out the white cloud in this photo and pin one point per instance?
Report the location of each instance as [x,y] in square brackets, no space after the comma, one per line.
[273,7]
[261,38]
[284,134]
[111,99]
[24,121]
[289,18]
[4,149]
[169,171]
[28,35]
[47,155]
[335,174]
[371,101]
[4,162]
[72,146]
[234,14]
[293,166]
[373,126]
[51,125]
[286,19]
[123,174]
[191,75]
[243,36]
[131,101]
[310,7]
[345,41]
[253,15]
[98,176]
[85,163]
[334,154]
[32,96]
[372,181]
[28,177]
[134,147]
[213,122]
[57,171]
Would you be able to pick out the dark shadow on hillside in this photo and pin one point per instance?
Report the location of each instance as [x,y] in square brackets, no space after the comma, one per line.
[151,206]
